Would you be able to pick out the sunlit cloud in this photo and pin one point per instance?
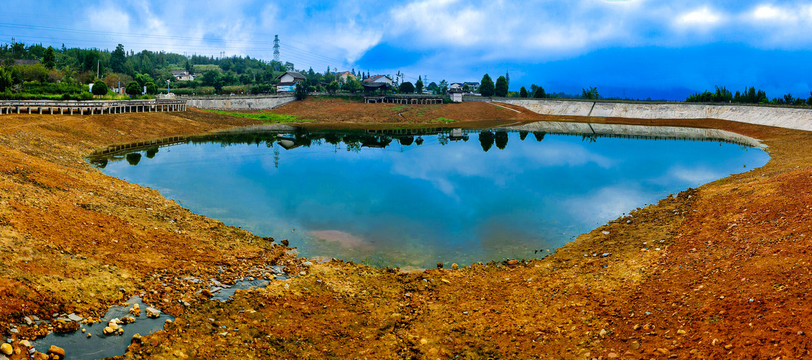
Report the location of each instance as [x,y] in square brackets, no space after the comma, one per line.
[702,17]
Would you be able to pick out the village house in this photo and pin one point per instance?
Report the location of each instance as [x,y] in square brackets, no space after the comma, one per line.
[377,82]
[472,86]
[182,75]
[344,76]
[287,82]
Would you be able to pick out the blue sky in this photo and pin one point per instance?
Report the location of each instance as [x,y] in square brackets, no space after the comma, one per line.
[636,48]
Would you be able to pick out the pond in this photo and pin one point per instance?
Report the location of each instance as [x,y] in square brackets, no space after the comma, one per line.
[411,199]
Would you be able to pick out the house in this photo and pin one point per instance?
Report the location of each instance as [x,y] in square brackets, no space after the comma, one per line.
[343,76]
[287,82]
[456,94]
[472,86]
[182,75]
[455,86]
[377,82]
[380,79]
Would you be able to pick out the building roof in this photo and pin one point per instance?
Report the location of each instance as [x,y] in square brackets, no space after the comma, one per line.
[296,75]
[376,78]
[179,72]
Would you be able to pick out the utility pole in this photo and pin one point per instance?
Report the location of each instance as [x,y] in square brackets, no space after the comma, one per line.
[98,66]
[276,48]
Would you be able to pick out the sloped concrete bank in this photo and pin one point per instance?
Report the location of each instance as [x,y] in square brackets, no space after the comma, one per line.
[655,132]
[790,118]
[239,102]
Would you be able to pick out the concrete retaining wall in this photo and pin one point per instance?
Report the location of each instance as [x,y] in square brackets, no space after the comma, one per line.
[641,131]
[239,102]
[791,118]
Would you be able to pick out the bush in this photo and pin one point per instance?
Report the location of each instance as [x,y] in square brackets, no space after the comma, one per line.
[301,92]
[100,88]
[36,87]
[262,89]
[152,89]
[133,89]
[406,88]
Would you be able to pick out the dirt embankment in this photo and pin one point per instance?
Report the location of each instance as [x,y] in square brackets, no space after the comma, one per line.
[338,111]
[716,272]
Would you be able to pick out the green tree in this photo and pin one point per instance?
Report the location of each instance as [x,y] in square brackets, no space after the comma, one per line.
[152,89]
[539,93]
[432,86]
[118,58]
[591,93]
[332,87]
[100,88]
[418,86]
[133,89]
[143,79]
[212,78]
[523,92]
[49,58]
[501,88]
[406,88]
[5,79]
[301,91]
[352,85]
[486,86]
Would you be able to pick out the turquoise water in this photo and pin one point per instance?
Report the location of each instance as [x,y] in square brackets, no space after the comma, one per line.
[413,201]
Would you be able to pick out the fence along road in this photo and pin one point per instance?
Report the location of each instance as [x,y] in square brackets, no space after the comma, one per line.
[51,107]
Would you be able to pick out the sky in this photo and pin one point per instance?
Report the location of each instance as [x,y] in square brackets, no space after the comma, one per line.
[625,48]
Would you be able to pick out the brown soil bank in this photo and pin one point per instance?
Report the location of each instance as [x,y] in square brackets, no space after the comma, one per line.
[729,279]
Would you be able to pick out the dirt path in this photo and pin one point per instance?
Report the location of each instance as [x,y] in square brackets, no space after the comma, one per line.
[728,280]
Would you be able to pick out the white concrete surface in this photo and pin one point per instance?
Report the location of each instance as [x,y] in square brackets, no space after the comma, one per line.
[790,118]
[239,102]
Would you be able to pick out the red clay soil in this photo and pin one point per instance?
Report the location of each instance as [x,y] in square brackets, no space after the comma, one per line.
[341,111]
[715,272]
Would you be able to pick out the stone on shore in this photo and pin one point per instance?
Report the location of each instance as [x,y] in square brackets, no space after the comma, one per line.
[153,312]
[56,350]
[6,349]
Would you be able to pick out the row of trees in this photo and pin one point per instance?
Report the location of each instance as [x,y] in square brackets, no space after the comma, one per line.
[74,66]
[749,96]
[500,89]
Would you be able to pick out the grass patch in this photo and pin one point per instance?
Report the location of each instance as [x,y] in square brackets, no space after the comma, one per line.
[268,118]
[442,120]
[398,108]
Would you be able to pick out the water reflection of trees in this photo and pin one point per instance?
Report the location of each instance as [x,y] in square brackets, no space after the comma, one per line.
[133,158]
[354,141]
[501,139]
[486,140]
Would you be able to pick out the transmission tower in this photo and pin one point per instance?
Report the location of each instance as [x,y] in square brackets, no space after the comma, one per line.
[276,48]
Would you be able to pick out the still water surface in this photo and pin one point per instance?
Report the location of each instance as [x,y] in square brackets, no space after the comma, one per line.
[413,201]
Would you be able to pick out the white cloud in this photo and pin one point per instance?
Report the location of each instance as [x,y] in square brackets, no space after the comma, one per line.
[606,203]
[702,17]
[771,13]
